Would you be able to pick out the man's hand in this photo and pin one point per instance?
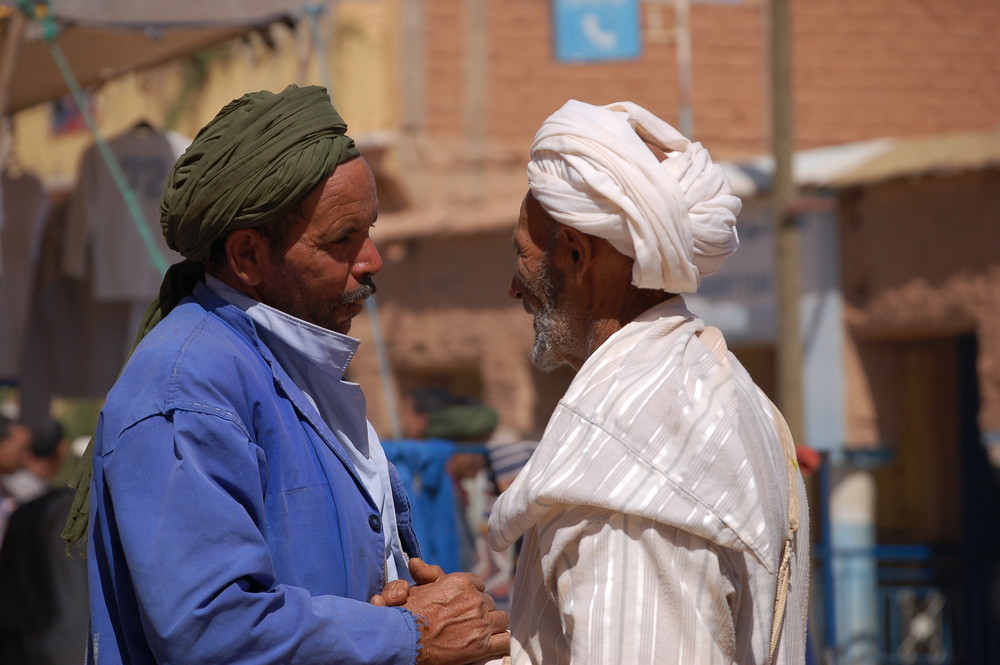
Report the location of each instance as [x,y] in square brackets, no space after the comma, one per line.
[459,623]
[393,594]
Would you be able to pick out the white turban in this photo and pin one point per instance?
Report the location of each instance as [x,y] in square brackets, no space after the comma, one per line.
[590,169]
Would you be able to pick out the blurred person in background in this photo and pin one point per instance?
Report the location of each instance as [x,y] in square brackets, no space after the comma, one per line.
[433,412]
[44,610]
[417,406]
[481,463]
[241,506]
[468,424]
[15,438]
[663,515]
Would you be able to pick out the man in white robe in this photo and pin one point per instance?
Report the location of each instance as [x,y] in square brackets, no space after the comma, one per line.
[663,515]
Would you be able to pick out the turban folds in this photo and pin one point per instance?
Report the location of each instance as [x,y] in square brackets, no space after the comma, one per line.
[260,156]
[590,169]
[252,164]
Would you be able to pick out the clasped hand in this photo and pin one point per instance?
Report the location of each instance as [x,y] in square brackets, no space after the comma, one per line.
[458,621]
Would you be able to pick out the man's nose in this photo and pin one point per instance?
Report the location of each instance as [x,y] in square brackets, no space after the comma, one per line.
[514,290]
[369,261]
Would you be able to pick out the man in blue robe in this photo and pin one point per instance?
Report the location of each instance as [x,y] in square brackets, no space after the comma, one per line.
[241,509]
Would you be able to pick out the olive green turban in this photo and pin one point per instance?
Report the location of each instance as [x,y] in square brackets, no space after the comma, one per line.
[461,422]
[260,156]
[252,164]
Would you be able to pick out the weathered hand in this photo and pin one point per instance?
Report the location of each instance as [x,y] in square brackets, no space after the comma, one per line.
[392,594]
[396,592]
[425,573]
[459,622]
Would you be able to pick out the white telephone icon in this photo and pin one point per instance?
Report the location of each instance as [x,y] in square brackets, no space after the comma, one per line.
[596,35]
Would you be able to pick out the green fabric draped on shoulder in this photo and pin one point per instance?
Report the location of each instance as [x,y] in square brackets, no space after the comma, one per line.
[252,164]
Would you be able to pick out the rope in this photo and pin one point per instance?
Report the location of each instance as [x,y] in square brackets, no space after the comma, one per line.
[50,30]
[785,568]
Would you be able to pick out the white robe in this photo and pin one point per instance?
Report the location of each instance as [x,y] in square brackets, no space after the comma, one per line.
[654,510]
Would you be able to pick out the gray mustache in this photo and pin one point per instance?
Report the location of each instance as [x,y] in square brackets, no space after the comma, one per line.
[363,292]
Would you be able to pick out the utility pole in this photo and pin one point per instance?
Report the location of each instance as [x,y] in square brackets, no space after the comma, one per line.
[682,14]
[786,232]
[475,93]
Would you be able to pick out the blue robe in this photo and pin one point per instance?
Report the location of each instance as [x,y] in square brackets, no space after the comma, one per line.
[227,524]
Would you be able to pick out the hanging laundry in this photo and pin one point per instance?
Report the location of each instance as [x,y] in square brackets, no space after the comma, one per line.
[75,345]
[22,216]
[101,237]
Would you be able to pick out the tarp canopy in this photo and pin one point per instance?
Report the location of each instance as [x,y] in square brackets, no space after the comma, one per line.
[106,38]
[867,163]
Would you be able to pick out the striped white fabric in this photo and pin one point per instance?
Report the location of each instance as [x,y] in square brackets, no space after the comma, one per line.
[654,510]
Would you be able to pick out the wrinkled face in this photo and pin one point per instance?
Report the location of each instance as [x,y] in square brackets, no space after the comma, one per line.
[560,330]
[324,276]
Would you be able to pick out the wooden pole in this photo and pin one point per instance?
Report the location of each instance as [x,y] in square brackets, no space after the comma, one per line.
[682,13]
[786,232]
[11,49]
[474,93]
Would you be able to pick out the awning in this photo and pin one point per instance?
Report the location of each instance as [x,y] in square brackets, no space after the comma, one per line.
[103,39]
[871,162]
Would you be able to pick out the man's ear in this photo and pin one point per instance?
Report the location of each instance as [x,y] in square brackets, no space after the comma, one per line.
[576,252]
[247,255]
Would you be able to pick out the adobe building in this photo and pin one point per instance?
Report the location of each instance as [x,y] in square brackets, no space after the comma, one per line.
[900,314]
[896,114]
[896,106]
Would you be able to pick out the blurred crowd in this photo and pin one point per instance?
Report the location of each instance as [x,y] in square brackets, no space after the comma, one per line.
[43,594]
[454,462]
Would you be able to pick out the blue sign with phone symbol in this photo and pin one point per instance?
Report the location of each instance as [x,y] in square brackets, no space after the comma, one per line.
[596,30]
